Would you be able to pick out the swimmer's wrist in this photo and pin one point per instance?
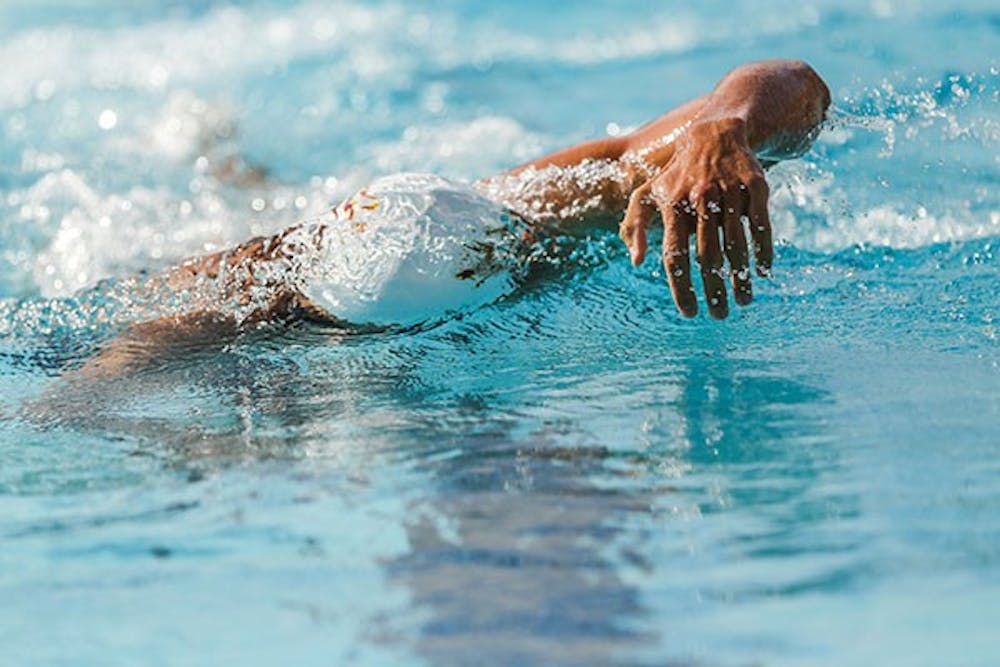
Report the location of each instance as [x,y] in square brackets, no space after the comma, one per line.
[729,127]
[644,155]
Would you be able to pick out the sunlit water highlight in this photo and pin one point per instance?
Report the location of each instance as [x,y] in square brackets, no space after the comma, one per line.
[571,474]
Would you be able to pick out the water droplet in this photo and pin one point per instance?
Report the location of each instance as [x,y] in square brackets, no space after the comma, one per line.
[107,119]
[44,90]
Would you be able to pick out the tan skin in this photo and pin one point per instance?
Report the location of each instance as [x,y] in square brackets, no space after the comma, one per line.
[709,176]
[698,166]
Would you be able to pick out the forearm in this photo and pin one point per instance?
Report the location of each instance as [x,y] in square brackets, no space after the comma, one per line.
[777,105]
[780,104]
[250,283]
[579,183]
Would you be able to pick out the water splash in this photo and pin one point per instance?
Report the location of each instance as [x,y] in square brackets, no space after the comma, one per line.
[555,194]
[839,120]
[896,168]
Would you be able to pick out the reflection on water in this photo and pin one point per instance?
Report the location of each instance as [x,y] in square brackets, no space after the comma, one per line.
[528,530]
[575,475]
[518,554]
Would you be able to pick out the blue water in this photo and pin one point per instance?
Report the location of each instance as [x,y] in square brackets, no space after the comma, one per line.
[573,475]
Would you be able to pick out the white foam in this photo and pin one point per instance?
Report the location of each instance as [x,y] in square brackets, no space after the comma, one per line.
[812,210]
[487,143]
[222,43]
[94,235]
[188,126]
[370,43]
[98,236]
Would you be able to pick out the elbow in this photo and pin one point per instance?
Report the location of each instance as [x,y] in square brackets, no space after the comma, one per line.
[789,74]
[819,92]
[787,100]
[813,88]
[795,81]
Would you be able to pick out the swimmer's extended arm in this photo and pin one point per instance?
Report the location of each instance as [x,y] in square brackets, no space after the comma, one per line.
[698,165]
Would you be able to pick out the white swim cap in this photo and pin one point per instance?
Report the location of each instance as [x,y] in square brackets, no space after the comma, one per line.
[412,248]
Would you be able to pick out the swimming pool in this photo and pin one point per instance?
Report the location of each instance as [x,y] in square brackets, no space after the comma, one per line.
[572,475]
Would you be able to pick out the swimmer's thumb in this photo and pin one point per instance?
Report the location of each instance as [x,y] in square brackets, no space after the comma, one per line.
[633,227]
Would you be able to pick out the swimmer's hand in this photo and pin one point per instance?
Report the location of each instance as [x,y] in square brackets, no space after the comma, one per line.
[711,182]
[697,165]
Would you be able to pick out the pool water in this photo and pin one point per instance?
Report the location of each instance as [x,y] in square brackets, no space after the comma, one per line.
[573,474]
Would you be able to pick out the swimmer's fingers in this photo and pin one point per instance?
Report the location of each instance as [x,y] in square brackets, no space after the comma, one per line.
[760,224]
[633,227]
[736,244]
[708,208]
[678,221]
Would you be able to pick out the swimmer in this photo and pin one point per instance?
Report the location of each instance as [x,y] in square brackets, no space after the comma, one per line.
[413,247]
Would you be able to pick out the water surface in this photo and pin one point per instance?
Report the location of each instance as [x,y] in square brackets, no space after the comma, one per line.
[572,475]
